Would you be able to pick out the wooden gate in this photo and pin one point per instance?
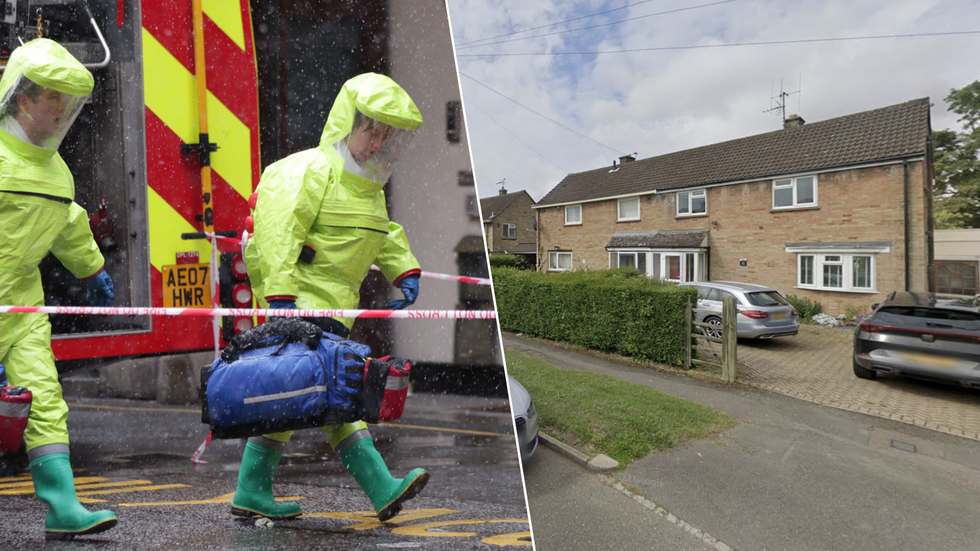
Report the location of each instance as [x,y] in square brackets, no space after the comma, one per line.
[715,344]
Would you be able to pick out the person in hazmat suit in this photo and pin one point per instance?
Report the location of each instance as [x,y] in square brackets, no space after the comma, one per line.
[319,222]
[42,91]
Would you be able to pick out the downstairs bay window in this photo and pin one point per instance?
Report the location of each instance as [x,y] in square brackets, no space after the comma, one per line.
[854,272]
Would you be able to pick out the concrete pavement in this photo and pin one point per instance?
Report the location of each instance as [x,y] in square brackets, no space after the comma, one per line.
[791,475]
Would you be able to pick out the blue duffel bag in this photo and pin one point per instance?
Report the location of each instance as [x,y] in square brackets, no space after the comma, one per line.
[288,374]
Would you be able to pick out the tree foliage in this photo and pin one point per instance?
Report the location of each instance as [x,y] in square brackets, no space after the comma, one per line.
[956,161]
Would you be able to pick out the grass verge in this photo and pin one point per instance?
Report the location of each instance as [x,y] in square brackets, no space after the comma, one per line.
[601,414]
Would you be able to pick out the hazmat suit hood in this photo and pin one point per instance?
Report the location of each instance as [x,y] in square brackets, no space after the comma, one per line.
[56,86]
[385,105]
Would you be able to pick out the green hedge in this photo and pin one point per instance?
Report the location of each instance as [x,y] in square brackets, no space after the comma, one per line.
[510,261]
[617,311]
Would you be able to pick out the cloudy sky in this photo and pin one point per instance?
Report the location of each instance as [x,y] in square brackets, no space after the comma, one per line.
[666,96]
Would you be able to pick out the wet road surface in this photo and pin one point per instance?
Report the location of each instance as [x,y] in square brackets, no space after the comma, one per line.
[133,458]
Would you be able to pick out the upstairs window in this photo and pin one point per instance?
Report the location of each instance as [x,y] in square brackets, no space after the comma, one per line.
[791,193]
[508,231]
[692,203]
[573,215]
[629,209]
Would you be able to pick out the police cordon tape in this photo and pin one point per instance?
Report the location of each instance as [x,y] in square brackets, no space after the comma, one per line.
[249,312]
[447,277]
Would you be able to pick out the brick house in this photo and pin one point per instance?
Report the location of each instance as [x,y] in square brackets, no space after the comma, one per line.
[508,223]
[838,211]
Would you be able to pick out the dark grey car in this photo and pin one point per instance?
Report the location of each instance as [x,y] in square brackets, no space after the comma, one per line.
[763,313]
[921,335]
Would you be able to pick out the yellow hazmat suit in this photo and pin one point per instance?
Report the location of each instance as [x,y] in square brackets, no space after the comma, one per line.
[311,199]
[41,84]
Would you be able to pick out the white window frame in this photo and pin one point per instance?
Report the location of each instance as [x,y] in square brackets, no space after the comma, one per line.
[791,183]
[619,210]
[508,231]
[554,261]
[688,202]
[820,260]
[618,255]
[572,222]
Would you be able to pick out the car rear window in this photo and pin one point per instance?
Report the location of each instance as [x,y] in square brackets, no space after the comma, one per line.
[765,298]
[936,318]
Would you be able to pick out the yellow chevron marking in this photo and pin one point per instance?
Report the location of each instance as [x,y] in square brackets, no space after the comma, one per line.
[368,520]
[171,93]
[233,159]
[28,487]
[169,89]
[227,14]
[136,489]
[226,498]
[166,225]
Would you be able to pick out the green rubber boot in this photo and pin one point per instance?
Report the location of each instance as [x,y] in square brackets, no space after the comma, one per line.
[253,496]
[54,484]
[387,494]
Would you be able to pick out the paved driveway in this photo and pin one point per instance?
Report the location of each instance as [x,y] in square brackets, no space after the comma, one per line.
[816,366]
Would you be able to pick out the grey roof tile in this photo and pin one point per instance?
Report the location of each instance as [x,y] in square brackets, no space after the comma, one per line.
[885,133]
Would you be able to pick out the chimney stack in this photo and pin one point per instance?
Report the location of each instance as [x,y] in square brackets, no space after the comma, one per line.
[502,192]
[627,158]
[793,121]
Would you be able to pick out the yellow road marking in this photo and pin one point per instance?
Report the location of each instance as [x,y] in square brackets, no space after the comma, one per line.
[130,408]
[18,478]
[28,487]
[368,520]
[398,425]
[517,538]
[226,498]
[422,529]
[446,429]
[137,489]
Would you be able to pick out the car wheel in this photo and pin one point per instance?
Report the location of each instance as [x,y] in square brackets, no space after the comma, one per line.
[863,372]
[715,330]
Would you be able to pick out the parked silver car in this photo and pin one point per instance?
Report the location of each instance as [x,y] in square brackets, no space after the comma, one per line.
[525,418]
[763,313]
[921,335]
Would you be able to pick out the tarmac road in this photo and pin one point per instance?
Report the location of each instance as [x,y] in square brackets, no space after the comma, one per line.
[474,500]
[791,475]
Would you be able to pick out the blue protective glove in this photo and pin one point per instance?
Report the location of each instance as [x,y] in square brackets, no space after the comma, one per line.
[282,304]
[100,289]
[410,288]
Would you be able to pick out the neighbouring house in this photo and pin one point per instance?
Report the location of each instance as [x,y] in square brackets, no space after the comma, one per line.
[508,223]
[838,211]
[957,263]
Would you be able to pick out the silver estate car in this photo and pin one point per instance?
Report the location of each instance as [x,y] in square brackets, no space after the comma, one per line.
[763,313]
[921,335]
[525,418]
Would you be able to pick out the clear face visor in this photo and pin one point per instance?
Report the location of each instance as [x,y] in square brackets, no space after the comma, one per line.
[372,148]
[38,115]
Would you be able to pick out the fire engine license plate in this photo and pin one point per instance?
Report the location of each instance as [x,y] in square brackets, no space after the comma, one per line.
[187,286]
